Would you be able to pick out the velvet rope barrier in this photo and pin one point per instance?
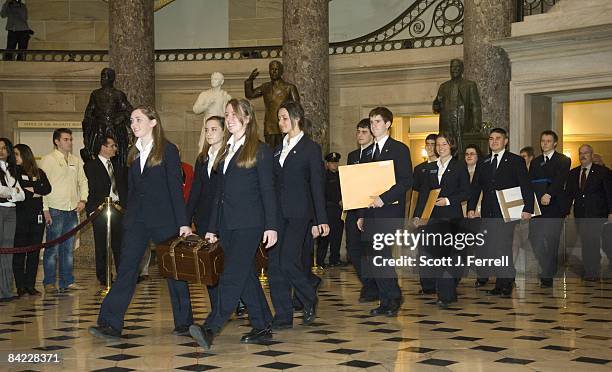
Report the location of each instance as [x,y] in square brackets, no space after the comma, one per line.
[36,247]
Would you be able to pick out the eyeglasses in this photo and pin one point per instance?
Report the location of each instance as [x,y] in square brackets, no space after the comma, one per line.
[112,145]
[470,154]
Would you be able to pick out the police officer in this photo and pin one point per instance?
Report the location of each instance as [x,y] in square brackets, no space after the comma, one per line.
[333,206]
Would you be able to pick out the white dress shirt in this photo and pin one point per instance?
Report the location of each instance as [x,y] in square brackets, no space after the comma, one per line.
[441,169]
[549,155]
[212,156]
[13,191]
[288,144]
[500,155]
[104,161]
[144,152]
[234,145]
[381,143]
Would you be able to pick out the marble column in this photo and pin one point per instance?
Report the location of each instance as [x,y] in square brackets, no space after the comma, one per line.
[306,60]
[488,65]
[132,48]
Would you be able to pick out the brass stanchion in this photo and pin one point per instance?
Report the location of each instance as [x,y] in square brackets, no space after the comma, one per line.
[108,201]
[263,278]
[316,269]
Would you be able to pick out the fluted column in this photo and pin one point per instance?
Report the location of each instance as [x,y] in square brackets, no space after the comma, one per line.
[306,60]
[488,65]
[132,48]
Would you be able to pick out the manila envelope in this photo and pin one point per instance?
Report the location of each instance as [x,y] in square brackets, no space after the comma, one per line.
[359,182]
[511,204]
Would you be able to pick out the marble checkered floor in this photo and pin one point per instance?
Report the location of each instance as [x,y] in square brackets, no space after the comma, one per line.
[565,328]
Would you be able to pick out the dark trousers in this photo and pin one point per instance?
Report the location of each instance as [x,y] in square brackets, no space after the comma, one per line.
[239,280]
[498,243]
[590,231]
[286,269]
[16,40]
[544,235]
[356,251]
[333,241]
[99,232]
[443,279]
[135,242]
[273,140]
[25,265]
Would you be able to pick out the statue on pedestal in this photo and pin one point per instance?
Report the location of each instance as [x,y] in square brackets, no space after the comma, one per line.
[274,93]
[458,103]
[211,102]
[107,113]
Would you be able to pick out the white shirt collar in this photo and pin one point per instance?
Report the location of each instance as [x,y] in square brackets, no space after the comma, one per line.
[103,159]
[363,147]
[3,165]
[212,154]
[234,145]
[381,142]
[146,148]
[500,154]
[290,142]
[443,165]
[588,167]
[549,154]
[433,161]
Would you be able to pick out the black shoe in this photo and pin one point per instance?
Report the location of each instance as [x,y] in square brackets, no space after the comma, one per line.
[33,292]
[297,305]
[181,331]
[256,336]
[310,313]
[443,304]
[480,283]
[363,299]
[393,308]
[427,291]
[21,292]
[546,283]
[495,291]
[241,309]
[279,325]
[381,310]
[107,333]
[507,292]
[203,336]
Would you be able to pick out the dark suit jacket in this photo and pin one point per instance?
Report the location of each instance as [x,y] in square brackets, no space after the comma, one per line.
[402,165]
[358,156]
[202,195]
[27,211]
[246,197]
[596,199]
[511,172]
[155,196]
[550,179]
[418,175]
[299,181]
[99,183]
[455,186]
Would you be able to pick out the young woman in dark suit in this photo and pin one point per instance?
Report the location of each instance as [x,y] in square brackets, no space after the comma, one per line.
[155,211]
[30,220]
[206,180]
[245,210]
[452,178]
[299,179]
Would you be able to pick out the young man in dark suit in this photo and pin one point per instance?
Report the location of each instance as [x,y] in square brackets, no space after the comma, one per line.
[589,189]
[387,211]
[499,171]
[354,244]
[333,208]
[428,282]
[106,178]
[548,173]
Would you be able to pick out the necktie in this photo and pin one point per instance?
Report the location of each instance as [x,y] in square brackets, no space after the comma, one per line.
[583,178]
[545,159]
[376,154]
[111,175]
[494,163]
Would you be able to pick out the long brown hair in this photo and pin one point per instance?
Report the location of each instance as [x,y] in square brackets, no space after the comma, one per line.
[206,146]
[28,162]
[246,115]
[159,139]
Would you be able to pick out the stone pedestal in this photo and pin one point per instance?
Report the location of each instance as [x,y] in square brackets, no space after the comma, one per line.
[306,60]
[131,41]
[486,64]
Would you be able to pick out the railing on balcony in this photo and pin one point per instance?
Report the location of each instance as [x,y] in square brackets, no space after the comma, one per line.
[526,8]
[424,24]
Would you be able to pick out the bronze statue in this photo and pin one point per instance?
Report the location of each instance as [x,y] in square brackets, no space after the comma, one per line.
[107,113]
[274,93]
[458,104]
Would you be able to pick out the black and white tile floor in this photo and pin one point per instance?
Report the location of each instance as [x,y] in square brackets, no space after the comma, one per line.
[565,328]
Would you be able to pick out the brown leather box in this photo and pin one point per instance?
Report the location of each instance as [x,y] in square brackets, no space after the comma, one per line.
[191,259]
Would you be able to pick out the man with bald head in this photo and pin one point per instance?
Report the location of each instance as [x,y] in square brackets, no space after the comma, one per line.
[589,188]
[274,93]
